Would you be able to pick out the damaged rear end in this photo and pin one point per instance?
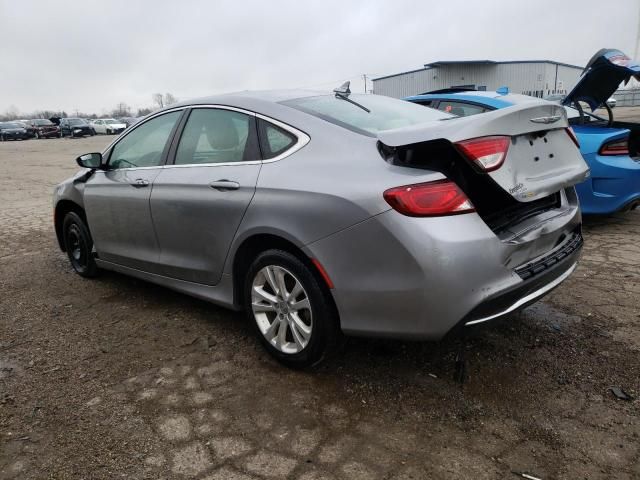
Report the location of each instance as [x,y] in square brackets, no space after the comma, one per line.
[515,169]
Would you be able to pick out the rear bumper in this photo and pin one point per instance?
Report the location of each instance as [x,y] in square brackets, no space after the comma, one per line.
[556,268]
[422,278]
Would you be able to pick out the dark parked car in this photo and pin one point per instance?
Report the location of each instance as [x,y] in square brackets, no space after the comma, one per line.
[44,128]
[13,131]
[31,132]
[75,127]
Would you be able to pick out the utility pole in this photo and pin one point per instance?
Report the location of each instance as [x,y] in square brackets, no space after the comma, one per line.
[364,75]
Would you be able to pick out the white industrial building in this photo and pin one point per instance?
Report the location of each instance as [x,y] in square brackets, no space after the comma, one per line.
[537,78]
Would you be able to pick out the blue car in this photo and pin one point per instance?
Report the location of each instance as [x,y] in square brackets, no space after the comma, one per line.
[610,148]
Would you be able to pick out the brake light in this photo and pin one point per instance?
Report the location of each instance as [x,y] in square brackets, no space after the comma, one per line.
[433,199]
[488,153]
[617,147]
[572,136]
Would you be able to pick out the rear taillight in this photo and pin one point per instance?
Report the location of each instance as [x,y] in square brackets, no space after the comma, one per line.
[488,153]
[433,199]
[617,147]
[572,136]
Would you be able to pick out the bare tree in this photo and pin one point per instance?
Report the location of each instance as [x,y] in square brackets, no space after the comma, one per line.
[121,110]
[143,112]
[12,113]
[169,99]
[158,99]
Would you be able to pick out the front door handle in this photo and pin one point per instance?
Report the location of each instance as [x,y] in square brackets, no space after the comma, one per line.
[140,182]
[224,185]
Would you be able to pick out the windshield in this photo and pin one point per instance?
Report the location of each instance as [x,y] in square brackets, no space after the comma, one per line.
[76,121]
[12,125]
[110,121]
[385,113]
[41,122]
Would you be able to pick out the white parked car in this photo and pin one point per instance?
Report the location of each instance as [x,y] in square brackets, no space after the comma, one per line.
[108,126]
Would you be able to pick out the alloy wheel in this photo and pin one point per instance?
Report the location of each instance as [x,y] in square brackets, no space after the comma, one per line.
[281,309]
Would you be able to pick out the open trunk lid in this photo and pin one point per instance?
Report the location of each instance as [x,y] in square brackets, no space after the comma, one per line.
[606,70]
[541,158]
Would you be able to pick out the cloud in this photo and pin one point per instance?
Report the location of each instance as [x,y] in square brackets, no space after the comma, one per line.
[92,55]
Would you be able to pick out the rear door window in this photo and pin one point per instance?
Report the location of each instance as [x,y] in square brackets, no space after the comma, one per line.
[214,135]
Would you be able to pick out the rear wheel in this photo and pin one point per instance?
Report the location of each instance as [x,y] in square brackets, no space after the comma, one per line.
[289,310]
[79,245]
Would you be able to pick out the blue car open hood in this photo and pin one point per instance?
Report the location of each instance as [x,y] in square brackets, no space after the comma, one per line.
[606,70]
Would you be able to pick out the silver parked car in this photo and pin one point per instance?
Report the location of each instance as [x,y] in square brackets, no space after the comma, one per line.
[322,213]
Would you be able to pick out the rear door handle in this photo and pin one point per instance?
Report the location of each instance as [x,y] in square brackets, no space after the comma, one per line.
[224,185]
[140,182]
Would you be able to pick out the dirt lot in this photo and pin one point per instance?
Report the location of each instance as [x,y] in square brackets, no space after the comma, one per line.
[117,378]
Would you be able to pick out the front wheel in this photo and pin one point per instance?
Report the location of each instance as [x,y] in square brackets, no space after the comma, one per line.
[290,310]
[79,245]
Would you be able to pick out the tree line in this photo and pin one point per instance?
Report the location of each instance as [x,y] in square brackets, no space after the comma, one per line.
[121,110]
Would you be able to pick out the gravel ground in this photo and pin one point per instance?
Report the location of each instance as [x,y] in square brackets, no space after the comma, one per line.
[117,378]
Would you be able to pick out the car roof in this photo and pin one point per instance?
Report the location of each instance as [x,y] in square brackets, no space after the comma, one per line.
[489,98]
[259,96]
[265,102]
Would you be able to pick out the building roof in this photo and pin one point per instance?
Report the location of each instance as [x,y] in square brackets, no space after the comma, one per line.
[444,63]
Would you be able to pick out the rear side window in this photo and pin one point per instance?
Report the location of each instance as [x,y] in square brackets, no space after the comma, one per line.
[217,136]
[273,139]
[460,109]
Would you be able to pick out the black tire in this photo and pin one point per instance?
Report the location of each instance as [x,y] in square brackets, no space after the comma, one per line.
[79,245]
[325,331]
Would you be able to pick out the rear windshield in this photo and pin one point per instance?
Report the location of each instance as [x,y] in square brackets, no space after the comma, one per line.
[12,125]
[42,122]
[385,113]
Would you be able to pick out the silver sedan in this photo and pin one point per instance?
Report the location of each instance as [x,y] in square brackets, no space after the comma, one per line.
[327,213]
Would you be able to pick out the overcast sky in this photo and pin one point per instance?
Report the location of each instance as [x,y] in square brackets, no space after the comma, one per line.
[91,55]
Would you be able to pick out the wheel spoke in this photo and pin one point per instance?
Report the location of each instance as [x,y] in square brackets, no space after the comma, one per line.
[270,276]
[302,304]
[259,291]
[271,331]
[282,335]
[282,288]
[297,337]
[302,327]
[263,307]
[295,291]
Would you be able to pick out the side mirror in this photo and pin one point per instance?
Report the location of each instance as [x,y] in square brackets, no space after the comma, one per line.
[90,160]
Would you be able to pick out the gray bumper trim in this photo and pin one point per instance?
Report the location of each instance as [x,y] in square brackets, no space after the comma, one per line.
[528,298]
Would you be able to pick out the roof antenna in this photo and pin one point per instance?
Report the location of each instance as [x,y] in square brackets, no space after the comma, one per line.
[343,90]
